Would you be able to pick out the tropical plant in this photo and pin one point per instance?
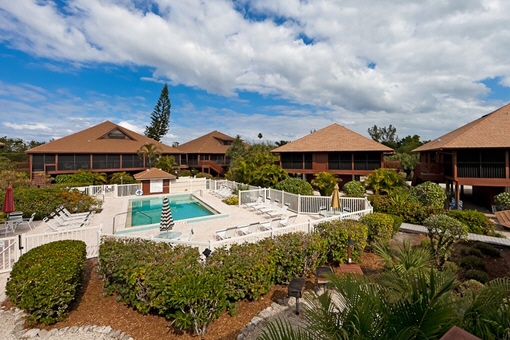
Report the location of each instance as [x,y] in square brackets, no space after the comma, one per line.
[295,186]
[476,221]
[403,257]
[122,178]
[354,189]
[15,179]
[444,232]
[324,182]
[149,152]
[160,117]
[383,181]
[268,176]
[166,163]
[359,307]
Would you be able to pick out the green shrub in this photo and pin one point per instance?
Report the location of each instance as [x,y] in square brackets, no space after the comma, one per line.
[43,201]
[472,262]
[430,194]
[502,200]
[478,275]
[487,249]
[295,254]
[198,299]
[337,233]
[232,200]
[46,280]
[295,186]
[82,178]
[401,203]
[246,268]
[354,189]
[397,223]
[380,227]
[450,266]
[476,221]
[471,286]
[203,175]
[471,251]
[185,173]
[383,181]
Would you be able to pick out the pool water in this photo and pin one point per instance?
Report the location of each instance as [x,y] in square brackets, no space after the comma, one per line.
[148,210]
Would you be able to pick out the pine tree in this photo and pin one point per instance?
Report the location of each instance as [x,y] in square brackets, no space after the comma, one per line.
[160,117]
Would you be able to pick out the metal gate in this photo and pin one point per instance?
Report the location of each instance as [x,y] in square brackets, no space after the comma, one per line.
[9,252]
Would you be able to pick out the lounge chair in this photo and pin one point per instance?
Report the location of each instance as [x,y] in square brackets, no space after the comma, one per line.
[61,221]
[268,208]
[288,221]
[226,233]
[251,204]
[69,214]
[277,212]
[271,224]
[53,224]
[250,228]
[29,221]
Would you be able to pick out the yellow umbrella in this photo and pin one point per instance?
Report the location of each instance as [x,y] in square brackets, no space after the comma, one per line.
[335,198]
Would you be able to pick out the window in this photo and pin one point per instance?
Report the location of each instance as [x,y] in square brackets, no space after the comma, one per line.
[115,134]
[132,161]
[292,160]
[39,161]
[156,185]
[367,160]
[339,161]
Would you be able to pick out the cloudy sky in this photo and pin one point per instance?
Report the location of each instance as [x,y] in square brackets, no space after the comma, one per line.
[277,67]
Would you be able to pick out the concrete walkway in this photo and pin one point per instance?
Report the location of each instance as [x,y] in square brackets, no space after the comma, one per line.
[499,241]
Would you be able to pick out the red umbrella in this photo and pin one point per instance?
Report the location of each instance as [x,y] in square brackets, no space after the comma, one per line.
[8,206]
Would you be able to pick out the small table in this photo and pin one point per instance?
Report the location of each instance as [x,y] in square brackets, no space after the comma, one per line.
[351,268]
[169,235]
[12,222]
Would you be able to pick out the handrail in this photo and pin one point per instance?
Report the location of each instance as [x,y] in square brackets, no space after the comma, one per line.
[125,212]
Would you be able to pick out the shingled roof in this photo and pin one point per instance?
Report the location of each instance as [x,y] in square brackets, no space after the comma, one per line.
[153,173]
[213,142]
[489,131]
[106,137]
[333,138]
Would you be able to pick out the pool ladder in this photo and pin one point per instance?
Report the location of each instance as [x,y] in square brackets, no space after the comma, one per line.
[126,212]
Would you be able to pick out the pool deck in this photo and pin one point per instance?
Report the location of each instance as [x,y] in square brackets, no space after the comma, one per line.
[204,229]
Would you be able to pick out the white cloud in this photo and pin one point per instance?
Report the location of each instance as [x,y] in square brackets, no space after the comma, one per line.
[429,57]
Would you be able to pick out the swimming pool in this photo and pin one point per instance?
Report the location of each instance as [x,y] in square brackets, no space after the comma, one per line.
[146,211]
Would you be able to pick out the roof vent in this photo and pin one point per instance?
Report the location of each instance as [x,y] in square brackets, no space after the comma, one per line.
[438,140]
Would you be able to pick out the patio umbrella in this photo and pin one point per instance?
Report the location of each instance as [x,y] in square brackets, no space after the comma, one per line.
[167,222]
[335,198]
[8,206]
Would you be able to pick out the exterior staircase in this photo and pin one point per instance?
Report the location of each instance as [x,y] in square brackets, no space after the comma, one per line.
[214,166]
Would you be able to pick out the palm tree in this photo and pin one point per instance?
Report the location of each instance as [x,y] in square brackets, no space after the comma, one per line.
[149,152]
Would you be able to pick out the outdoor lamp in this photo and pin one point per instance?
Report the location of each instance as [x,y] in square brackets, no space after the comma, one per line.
[207,252]
[350,245]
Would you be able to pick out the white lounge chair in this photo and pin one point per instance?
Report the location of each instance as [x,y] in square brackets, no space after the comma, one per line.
[29,221]
[61,221]
[277,212]
[267,208]
[252,204]
[249,229]
[288,221]
[226,233]
[57,227]
[271,224]
[67,213]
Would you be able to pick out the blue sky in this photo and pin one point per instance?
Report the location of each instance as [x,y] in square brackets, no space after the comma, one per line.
[277,67]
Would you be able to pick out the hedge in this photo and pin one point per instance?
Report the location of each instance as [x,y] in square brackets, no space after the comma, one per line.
[337,234]
[47,280]
[380,227]
[476,221]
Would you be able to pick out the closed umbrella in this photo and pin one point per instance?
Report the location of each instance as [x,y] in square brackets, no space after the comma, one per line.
[335,198]
[8,206]
[167,222]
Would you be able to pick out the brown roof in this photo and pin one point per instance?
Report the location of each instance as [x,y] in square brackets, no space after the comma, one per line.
[213,142]
[153,173]
[456,333]
[92,140]
[333,138]
[489,131]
